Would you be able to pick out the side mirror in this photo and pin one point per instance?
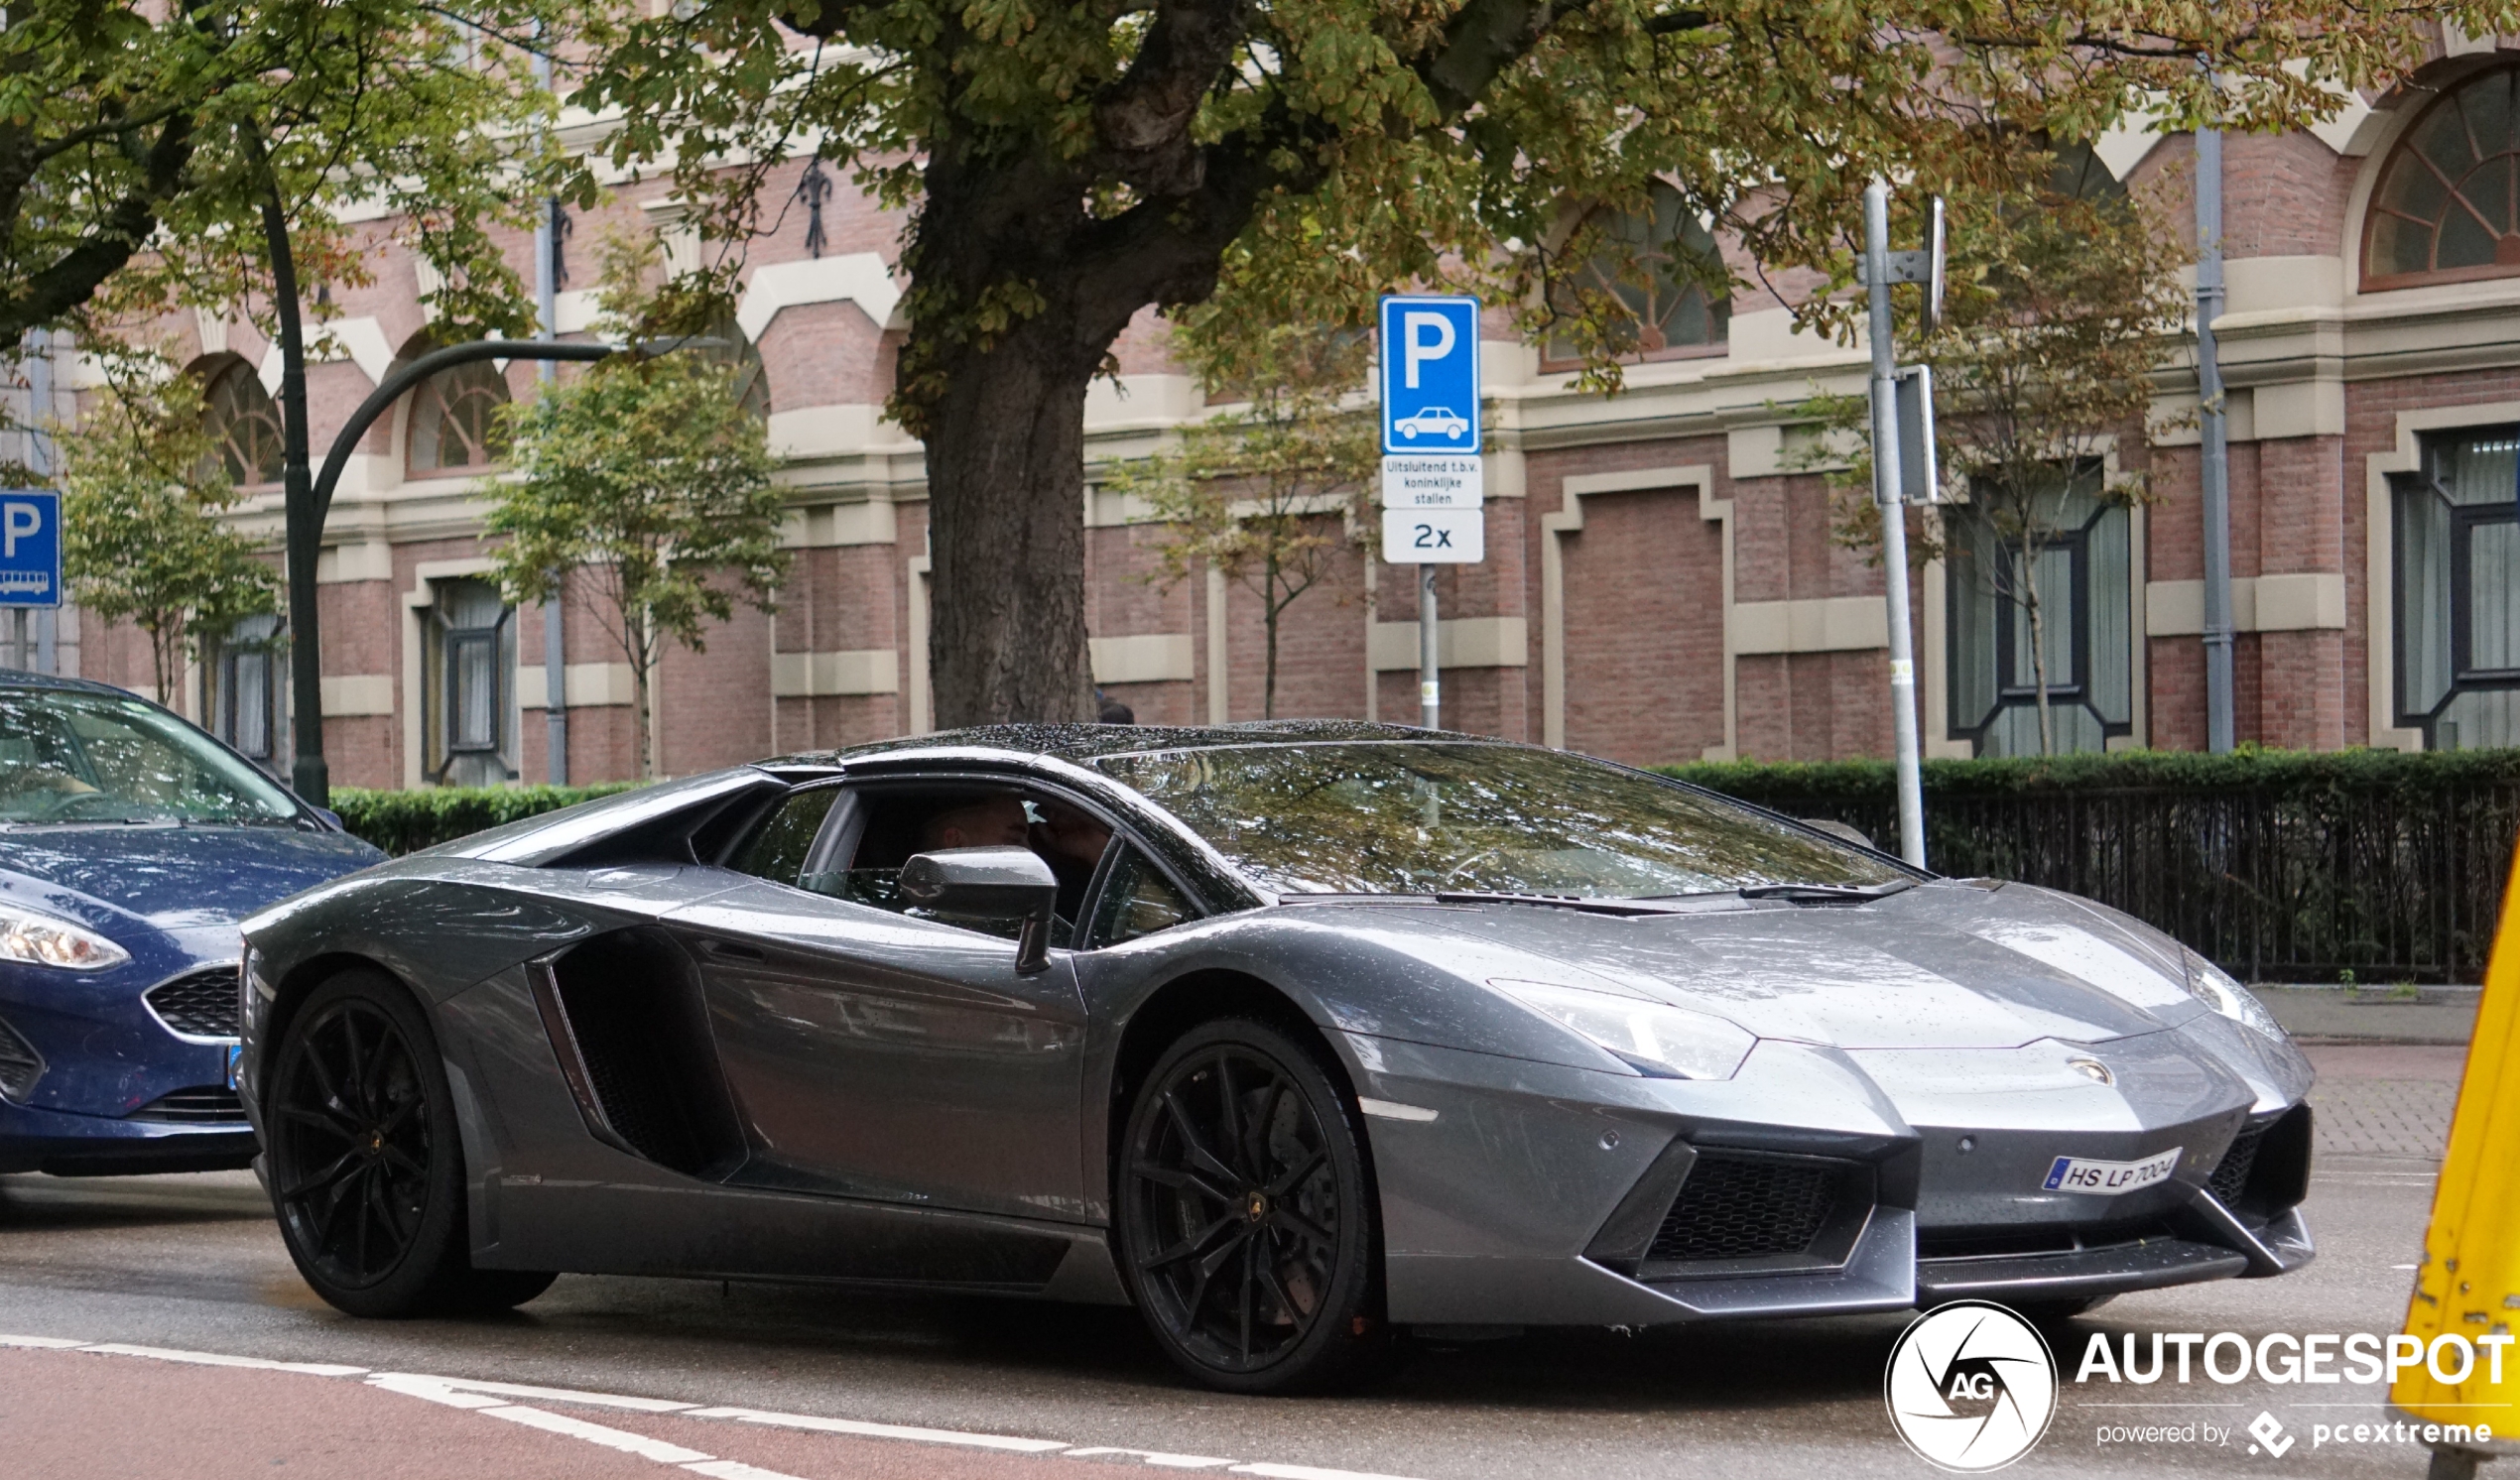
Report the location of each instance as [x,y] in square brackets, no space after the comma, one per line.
[331,818]
[989,884]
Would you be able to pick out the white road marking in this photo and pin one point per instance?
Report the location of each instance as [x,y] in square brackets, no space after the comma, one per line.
[878,1430]
[482,1396]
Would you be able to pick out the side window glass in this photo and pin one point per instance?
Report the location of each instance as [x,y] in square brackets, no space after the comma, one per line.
[778,848]
[1137,900]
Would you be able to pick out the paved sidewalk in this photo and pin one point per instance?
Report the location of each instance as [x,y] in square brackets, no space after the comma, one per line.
[2374,1015]
[2384,1099]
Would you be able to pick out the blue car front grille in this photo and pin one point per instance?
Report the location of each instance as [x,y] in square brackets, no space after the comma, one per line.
[198,1004]
[20,1064]
[202,1103]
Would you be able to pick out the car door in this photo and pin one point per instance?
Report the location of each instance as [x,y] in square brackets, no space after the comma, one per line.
[873,1054]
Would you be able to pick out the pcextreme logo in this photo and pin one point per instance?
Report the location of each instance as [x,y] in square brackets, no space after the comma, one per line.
[1971,1386]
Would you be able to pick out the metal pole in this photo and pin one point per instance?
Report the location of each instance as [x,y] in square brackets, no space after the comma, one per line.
[1894,523]
[555,637]
[309,775]
[39,447]
[1430,682]
[2214,456]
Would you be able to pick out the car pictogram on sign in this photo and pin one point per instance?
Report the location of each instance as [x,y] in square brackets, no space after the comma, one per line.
[1435,420]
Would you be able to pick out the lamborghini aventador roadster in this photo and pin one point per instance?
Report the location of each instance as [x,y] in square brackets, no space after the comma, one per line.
[1289,1035]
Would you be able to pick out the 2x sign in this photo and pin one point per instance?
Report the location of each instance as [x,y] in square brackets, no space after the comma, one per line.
[29,547]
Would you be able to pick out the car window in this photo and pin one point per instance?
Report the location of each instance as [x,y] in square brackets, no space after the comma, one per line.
[69,757]
[894,822]
[1416,817]
[780,846]
[1137,900]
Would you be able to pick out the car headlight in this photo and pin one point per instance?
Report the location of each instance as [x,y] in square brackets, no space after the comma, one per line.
[41,939]
[2215,988]
[1666,1043]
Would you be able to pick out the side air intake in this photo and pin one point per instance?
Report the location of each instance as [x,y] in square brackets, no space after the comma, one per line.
[625,1017]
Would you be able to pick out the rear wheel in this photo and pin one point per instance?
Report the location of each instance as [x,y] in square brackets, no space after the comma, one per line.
[366,1166]
[1246,1225]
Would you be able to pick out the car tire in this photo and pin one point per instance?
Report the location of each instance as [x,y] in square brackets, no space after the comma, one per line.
[1247,1227]
[366,1164]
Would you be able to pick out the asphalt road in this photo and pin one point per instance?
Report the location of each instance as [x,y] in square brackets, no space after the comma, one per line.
[744,1381]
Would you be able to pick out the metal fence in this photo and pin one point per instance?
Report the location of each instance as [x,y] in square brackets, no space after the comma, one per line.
[2276,883]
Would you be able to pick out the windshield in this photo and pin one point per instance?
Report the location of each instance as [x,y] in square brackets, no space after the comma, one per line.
[91,758]
[1406,817]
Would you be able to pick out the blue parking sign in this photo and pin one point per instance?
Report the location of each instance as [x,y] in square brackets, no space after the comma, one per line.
[29,547]
[1430,374]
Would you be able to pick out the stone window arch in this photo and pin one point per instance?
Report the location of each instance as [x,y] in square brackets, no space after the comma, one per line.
[1658,263]
[2446,207]
[453,418]
[242,421]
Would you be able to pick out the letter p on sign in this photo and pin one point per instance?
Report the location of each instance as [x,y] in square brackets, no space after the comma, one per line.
[18,521]
[1428,338]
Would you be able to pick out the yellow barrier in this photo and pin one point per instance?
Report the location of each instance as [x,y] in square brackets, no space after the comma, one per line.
[2469,1285]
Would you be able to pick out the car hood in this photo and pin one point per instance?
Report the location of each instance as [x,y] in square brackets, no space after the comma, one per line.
[172,877]
[1944,965]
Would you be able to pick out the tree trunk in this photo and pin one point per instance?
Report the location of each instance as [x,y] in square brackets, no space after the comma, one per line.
[1006,488]
[1273,607]
[2038,635]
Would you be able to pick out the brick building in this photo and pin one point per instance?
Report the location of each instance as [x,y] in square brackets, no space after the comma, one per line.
[1661,584]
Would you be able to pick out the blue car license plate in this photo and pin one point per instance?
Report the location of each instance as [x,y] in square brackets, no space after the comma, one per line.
[235,1058]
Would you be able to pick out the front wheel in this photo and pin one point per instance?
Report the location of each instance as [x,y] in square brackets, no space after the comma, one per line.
[1246,1220]
[366,1166]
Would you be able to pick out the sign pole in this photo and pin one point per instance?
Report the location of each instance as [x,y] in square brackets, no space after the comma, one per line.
[1429,678]
[1886,490]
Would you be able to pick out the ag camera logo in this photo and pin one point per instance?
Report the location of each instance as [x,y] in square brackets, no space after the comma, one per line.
[1971,1386]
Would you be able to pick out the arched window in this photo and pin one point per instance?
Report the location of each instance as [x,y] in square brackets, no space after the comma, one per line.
[243,424]
[2445,209]
[453,415]
[1658,264]
[737,351]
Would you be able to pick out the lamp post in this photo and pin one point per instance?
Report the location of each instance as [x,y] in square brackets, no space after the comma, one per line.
[310,499]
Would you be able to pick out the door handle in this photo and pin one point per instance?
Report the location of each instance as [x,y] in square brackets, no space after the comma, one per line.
[734,950]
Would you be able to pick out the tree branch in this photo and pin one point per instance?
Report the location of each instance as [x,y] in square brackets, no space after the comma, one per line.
[74,278]
[1145,117]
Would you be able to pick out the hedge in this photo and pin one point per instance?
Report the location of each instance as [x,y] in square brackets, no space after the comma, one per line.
[404,821]
[2368,865]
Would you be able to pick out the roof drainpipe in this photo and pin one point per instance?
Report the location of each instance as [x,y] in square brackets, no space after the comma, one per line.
[555,638]
[2214,471]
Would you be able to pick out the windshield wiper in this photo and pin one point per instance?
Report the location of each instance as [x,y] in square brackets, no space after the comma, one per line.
[1587,903]
[1826,894]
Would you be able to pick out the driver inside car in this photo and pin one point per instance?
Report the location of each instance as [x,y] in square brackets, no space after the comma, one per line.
[1066,838]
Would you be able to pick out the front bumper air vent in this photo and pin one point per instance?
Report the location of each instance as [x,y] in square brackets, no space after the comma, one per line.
[1746,1208]
[2232,1173]
[198,1004]
[20,1064]
[201,1104]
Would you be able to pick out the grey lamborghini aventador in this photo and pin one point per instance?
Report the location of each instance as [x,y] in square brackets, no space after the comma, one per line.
[1289,1035]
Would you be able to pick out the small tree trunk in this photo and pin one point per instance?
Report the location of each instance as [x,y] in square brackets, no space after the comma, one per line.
[2037,635]
[1006,536]
[1273,607]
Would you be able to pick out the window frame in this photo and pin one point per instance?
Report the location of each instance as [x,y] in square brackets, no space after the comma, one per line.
[230,651]
[1718,314]
[441,675]
[2077,692]
[2403,148]
[2464,520]
[429,400]
[216,405]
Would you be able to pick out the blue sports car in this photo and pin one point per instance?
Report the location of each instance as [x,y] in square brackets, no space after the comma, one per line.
[130,845]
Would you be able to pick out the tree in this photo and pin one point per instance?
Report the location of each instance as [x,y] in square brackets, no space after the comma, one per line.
[651,474]
[1254,492]
[140,144]
[1070,163]
[143,489]
[2064,296]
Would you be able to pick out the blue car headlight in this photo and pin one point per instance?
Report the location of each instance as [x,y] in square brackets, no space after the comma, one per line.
[41,939]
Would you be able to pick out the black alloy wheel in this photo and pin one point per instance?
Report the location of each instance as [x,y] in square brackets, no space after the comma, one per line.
[365,1163]
[1246,1220]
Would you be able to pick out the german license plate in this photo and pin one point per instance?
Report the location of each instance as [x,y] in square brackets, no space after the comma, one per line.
[2081,1175]
[235,1057]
